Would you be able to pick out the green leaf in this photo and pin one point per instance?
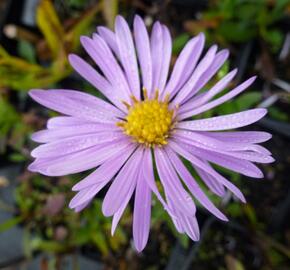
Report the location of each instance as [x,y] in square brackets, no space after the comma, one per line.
[250,213]
[248,100]
[236,31]
[278,114]
[179,43]
[8,116]
[49,23]
[99,240]
[17,157]
[110,11]
[81,27]
[275,38]
[26,51]
[10,223]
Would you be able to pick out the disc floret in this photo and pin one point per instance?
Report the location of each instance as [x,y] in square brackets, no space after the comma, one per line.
[148,121]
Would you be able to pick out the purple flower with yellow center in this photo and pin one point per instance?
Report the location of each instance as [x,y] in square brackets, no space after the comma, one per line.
[147,119]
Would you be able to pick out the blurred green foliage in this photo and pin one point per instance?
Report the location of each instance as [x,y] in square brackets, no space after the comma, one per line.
[242,20]
[52,227]
[24,73]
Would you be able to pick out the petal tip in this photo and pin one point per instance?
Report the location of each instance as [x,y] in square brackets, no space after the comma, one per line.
[34,93]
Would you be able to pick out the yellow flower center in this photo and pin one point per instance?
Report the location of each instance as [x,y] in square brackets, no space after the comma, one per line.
[148,121]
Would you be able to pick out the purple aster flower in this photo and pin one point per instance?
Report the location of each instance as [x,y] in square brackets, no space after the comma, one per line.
[147,118]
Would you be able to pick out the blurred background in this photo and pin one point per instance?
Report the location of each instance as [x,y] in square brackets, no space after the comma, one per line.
[39,231]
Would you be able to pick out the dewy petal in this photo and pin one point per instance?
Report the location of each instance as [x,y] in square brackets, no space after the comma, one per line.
[202,67]
[218,61]
[148,175]
[208,169]
[79,161]
[87,194]
[76,104]
[117,216]
[166,52]
[156,45]
[107,170]
[251,156]
[50,135]
[66,121]
[214,186]
[110,38]
[239,150]
[74,144]
[202,140]
[82,206]
[220,100]
[97,49]
[174,216]
[123,185]
[172,185]
[224,122]
[206,96]
[232,163]
[192,185]
[185,223]
[185,64]
[97,80]
[142,213]
[241,136]
[144,53]
[127,55]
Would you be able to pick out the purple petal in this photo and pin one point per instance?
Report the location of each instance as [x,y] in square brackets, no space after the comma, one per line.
[50,135]
[218,61]
[184,223]
[251,156]
[172,185]
[174,217]
[254,153]
[110,38]
[97,49]
[82,206]
[224,122]
[117,216]
[148,175]
[79,161]
[74,144]
[127,54]
[193,186]
[234,164]
[161,53]
[202,140]
[166,51]
[123,185]
[208,169]
[144,53]
[241,136]
[142,213]
[87,194]
[97,80]
[66,121]
[107,170]
[214,186]
[202,67]
[184,65]
[77,104]
[204,97]
[220,100]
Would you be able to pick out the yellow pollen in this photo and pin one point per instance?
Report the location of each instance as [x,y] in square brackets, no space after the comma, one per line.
[148,121]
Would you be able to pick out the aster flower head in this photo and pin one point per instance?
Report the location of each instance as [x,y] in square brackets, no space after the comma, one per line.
[147,119]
